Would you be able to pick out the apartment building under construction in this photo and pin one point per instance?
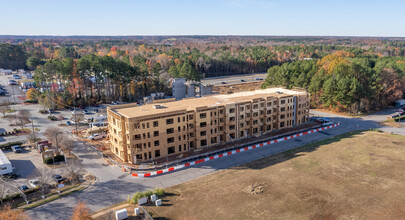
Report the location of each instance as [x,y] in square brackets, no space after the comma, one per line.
[156,130]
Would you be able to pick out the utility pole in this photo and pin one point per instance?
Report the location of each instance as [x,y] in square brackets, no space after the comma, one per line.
[74,110]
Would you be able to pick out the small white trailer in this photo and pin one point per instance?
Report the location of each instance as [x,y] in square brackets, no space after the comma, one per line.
[5,164]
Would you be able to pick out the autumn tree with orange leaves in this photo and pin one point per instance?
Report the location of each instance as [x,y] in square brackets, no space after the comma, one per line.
[81,212]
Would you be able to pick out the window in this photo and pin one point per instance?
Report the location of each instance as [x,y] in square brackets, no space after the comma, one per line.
[213,140]
[155,123]
[147,125]
[255,114]
[268,104]
[241,125]
[185,147]
[178,119]
[179,147]
[155,133]
[268,112]
[148,134]
[232,110]
[262,104]
[255,106]
[190,117]
[231,127]
[203,124]
[170,140]
[231,118]
[203,115]
[282,109]
[281,124]
[232,135]
[170,130]
[241,117]
[282,116]
[156,143]
[143,135]
[148,144]
[137,137]
[171,150]
[268,127]
[255,122]
[191,126]
[203,133]
[282,102]
[269,119]
[157,153]
[254,130]
[241,109]
[169,121]
[241,134]
[191,135]
[203,142]
[248,107]
[221,111]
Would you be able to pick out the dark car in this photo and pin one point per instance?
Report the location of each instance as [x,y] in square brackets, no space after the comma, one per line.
[23,188]
[16,149]
[57,178]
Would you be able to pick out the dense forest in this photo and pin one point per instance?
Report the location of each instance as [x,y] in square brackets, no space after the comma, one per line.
[345,74]
[343,82]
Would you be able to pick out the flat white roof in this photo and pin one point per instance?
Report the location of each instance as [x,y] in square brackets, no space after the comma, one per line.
[3,158]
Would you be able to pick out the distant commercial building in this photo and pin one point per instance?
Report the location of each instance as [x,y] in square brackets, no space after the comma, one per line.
[218,85]
[156,130]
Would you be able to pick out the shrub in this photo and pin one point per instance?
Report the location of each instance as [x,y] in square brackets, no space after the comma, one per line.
[30,101]
[52,118]
[136,196]
[8,145]
[159,192]
[148,193]
[55,159]
[43,111]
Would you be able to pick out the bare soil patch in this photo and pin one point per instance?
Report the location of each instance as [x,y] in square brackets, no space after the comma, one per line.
[354,176]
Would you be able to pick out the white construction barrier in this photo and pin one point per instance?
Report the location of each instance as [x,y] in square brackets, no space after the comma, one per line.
[158,202]
[136,211]
[153,198]
[121,214]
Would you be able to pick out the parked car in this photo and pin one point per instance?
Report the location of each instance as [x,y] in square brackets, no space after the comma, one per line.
[86,112]
[12,82]
[15,76]
[327,123]
[68,123]
[16,149]
[57,178]
[33,183]
[23,188]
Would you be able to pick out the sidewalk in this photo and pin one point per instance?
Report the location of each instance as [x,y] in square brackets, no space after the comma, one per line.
[54,196]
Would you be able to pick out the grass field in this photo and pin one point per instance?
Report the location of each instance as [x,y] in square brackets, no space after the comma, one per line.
[353,176]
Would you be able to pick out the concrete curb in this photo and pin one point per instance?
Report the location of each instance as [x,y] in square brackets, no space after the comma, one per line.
[167,170]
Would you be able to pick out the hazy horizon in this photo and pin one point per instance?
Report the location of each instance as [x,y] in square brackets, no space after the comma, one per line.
[206,18]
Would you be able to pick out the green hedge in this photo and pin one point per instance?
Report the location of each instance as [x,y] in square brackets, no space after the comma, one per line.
[8,145]
[58,158]
[31,101]
[158,192]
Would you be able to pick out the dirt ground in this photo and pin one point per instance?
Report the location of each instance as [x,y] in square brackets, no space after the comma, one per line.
[353,176]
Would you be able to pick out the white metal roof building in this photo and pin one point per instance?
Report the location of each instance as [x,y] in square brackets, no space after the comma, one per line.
[5,164]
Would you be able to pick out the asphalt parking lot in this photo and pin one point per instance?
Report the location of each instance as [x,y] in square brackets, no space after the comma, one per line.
[28,165]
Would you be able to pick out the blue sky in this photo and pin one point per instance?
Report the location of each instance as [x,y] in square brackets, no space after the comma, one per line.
[208,17]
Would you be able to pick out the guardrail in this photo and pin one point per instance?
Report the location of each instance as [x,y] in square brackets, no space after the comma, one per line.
[242,149]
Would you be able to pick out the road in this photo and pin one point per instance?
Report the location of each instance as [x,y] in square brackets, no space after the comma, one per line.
[114,186]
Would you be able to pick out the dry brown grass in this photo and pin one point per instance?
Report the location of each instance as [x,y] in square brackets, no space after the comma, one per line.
[359,176]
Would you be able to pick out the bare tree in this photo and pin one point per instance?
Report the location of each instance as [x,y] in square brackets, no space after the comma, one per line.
[32,137]
[44,181]
[3,188]
[55,135]
[73,169]
[67,144]
[77,117]
[22,118]
[4,107]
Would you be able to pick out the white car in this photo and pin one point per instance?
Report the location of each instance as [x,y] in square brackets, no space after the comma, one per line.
[33,183]
[327,123]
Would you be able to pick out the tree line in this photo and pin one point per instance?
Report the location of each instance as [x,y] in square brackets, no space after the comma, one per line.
[343,82]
